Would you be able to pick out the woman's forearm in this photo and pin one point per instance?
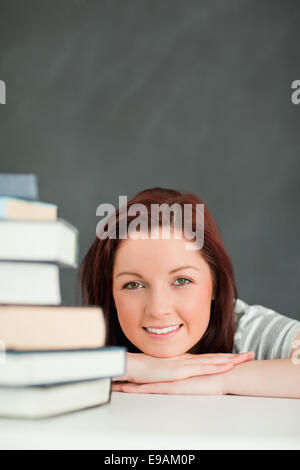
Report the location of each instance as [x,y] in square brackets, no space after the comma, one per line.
[142,368]
[265,378]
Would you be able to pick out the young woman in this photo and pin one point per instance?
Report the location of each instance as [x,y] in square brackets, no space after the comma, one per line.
[178,313]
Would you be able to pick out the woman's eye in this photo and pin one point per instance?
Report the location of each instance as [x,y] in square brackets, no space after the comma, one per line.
[183,279]
[133,285]
[130,283]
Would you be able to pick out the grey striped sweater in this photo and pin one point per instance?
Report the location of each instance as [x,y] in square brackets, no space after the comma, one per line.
[262,330]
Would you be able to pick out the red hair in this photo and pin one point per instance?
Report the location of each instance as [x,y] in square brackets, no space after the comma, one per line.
[95,275]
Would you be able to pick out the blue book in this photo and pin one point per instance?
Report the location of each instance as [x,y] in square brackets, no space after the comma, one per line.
[19,185]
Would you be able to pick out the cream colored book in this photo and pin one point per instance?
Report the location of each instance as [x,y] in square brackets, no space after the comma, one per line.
[17,208]
[33,327]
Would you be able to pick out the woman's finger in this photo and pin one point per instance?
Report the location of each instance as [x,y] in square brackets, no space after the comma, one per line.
[207,369]
[243,357]
[219,359]
[161,387]
[117,387]
[215,355]
[209,385]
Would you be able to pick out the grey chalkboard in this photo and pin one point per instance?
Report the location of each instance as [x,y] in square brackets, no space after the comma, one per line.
[106,98]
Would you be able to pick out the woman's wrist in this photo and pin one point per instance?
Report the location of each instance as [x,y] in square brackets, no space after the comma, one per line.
[229,379]
[131,366]
[130,369]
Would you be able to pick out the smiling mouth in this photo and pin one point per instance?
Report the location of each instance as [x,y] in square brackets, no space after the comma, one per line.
[164,332]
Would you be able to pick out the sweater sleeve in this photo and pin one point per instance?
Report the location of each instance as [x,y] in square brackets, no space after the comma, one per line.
[262,330]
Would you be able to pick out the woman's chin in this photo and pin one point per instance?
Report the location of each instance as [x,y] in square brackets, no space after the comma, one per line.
[163,354]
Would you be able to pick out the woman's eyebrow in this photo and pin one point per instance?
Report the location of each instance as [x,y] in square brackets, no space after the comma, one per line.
[173,271]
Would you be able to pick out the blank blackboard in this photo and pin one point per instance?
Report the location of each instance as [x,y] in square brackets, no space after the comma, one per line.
[106,98]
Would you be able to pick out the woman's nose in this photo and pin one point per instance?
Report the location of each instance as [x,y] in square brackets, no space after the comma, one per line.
[158,303]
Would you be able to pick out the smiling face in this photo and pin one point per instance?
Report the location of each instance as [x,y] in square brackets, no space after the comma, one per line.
[152,289]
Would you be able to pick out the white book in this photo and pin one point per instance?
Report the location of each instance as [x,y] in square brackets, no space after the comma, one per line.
[23,368]
[50,400]
[29,283]
[34,240]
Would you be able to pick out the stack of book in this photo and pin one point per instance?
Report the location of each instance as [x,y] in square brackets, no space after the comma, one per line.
[53,358]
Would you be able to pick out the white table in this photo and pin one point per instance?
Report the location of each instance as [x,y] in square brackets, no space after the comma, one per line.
[151,421]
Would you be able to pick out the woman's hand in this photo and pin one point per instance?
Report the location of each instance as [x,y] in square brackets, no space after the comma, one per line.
[142,369]
[201,385]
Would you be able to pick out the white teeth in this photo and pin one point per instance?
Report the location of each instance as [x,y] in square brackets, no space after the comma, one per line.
[164,330]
